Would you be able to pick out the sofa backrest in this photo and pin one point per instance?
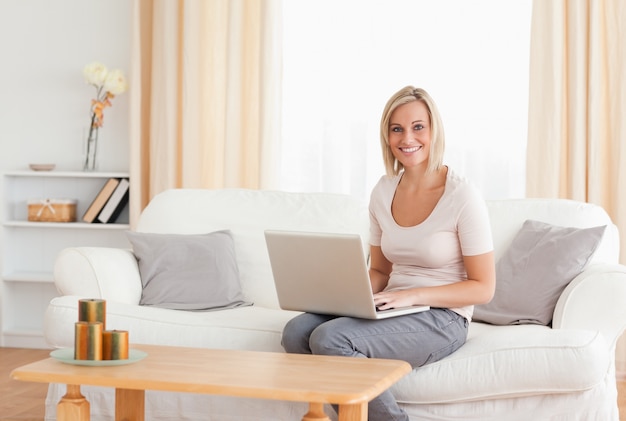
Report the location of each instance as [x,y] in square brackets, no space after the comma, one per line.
[247,214]
[507,217]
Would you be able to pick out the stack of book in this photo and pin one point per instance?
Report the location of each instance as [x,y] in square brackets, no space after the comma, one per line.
[109,202]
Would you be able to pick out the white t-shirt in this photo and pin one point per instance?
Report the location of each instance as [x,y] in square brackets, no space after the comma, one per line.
[431,253]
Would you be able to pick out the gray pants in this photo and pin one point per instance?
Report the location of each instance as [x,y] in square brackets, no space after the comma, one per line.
[419,339]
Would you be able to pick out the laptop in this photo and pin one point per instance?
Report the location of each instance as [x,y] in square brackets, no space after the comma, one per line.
[324,273]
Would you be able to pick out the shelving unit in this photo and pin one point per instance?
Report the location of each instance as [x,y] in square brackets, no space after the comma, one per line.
[30,248]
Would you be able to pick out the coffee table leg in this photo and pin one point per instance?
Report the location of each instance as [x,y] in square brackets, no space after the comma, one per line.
[316,412]
[129,405]
[355,412]
[73,406]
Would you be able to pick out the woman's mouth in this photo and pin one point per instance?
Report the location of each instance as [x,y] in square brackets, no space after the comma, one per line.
[411,149]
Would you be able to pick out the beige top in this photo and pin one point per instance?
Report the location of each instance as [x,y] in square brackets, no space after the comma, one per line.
[431,253]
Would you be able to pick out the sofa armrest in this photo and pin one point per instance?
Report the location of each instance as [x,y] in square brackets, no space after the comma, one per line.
[594,300]
[98,272]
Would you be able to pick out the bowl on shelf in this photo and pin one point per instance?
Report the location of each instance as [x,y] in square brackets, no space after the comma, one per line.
[42,167]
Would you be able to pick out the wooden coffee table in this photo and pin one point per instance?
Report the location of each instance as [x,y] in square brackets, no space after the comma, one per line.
[349,382]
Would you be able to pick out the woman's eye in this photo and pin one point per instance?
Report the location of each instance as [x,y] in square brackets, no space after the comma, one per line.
[418,127]
[396,129]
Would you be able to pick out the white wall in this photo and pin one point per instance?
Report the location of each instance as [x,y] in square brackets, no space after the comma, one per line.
[44,101]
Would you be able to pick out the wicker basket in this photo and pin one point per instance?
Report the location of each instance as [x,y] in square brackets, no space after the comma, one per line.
[52,210]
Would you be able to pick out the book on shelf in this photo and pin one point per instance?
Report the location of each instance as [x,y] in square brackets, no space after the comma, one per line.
[116,202]
[100,200]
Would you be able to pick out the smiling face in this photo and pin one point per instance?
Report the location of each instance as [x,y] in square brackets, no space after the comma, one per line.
[410,134]
[420,124]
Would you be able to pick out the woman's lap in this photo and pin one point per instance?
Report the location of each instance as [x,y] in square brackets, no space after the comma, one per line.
[419,338]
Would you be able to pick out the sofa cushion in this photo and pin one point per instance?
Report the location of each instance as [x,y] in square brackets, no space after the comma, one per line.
[188,272]
[531,275]
[251,328]
[510,361]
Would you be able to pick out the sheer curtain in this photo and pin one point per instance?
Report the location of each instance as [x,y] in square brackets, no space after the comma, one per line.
[577,142]
[343,59]
[205,95]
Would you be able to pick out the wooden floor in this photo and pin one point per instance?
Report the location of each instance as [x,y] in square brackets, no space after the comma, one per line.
[24,401]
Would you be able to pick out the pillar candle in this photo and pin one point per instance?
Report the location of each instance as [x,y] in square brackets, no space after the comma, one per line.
[92,310]
[88,341]
[115,345]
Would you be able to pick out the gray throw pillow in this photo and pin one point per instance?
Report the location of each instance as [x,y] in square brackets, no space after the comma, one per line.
[188,272]
[531,275]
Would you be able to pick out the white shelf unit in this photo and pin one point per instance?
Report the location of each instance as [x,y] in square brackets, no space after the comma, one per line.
[30,248]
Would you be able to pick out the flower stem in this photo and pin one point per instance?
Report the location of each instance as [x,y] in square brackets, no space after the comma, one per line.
[87,166]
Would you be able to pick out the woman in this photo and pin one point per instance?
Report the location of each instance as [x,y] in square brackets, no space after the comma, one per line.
[430,244]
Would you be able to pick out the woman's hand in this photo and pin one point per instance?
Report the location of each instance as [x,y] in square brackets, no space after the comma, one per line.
[478,288]
[395,299]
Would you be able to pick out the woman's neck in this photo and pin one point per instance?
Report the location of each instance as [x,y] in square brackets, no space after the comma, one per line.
[417,178]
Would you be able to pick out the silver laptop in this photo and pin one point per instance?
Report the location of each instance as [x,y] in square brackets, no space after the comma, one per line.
[324,273]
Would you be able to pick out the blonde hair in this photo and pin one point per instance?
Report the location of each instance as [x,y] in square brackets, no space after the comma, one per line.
[437,142]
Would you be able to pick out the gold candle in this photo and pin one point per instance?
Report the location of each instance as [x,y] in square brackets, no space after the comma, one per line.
[92,310]
[115,345]
[88,341]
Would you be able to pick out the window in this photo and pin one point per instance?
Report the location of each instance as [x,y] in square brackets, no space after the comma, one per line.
[343,59]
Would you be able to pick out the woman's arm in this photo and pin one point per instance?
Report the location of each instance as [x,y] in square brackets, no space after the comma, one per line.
[478,288]
[380,269]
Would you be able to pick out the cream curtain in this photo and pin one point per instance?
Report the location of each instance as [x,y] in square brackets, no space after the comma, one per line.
[205,95]
[577,104]
[577,108]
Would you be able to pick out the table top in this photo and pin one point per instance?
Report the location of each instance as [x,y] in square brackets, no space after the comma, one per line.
[267,375]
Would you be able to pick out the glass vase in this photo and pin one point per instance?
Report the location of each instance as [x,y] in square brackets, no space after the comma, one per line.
[90,159]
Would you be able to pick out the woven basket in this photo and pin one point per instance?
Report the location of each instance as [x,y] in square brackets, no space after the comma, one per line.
[52,210]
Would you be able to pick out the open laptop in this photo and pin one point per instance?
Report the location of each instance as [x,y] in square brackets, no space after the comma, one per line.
[324,273]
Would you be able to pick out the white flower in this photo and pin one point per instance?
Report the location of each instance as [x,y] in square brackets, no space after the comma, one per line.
[95,73]
[108,84]
[115,82]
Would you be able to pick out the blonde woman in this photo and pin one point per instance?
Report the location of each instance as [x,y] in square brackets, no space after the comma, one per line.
[430,244]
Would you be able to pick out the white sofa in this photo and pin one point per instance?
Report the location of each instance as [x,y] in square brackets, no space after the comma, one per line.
[526,372]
